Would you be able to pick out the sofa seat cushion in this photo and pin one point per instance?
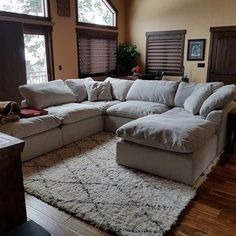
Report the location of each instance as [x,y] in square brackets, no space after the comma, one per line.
[73,112]
[179,112]
[183,135]
[104,105]
[136,109]
[30,126]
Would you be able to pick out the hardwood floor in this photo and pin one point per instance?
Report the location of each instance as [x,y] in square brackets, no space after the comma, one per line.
[211,212]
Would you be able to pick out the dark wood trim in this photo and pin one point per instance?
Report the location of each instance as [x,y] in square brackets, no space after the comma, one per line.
[96,33]
[210,57]
[37,28]
[24,16]
[223,28]
[29,17]
[47,32]
[168,32]
[204,48]
[96,25]
[49,10]
[97,74]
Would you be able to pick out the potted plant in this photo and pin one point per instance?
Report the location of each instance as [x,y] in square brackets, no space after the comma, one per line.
[127,58]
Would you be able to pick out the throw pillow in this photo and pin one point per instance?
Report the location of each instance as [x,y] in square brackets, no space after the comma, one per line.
[77,86]
[219,99]
[119,88]
[48,94]
[186,89]
[194,102]
[99,91]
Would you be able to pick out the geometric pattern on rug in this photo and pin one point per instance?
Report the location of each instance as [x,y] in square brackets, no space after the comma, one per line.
[84,180]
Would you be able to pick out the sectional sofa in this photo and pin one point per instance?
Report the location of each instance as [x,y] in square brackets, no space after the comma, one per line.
[168,128]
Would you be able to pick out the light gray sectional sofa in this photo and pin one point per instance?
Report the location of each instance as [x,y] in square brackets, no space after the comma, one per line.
[168,128]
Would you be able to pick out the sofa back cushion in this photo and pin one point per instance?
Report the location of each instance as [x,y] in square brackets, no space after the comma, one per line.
[186,89]
[119,88]
[153,91]
[47,94]
[194,102]
[219,99]
[98,91]
[77,86]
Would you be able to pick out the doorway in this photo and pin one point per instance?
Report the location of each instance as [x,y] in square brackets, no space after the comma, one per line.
[222,56]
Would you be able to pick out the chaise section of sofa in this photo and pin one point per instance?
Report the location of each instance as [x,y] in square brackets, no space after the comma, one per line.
[180,143]
[129,110]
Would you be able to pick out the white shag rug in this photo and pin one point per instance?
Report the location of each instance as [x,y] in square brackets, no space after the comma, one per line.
[84,180]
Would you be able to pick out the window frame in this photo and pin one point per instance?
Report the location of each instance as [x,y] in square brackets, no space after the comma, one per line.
[168,33]
[115,27]
[98,34]
[47,32]
[29,17]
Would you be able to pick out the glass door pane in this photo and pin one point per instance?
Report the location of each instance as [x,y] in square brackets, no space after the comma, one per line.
[36,58]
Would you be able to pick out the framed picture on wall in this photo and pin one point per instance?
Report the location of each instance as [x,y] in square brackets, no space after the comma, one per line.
[63,8]
[196,49]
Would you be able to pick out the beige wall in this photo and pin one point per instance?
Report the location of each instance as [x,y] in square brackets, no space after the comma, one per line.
[64,38]
[196,16]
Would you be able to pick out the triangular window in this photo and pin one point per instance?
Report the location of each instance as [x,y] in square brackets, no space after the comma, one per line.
[96,12]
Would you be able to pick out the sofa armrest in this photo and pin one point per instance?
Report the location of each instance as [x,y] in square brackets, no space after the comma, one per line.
[220,117]
[215,117]
[24,104]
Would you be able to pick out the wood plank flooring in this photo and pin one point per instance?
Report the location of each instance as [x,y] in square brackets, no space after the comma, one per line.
[211,212]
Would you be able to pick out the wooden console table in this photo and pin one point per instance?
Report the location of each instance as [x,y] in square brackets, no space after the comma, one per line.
[12,199]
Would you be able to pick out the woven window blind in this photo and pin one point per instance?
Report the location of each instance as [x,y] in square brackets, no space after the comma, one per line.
[165,52]
[97,53]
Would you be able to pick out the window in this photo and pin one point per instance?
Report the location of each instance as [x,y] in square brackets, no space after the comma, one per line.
[96,12]
[26,7]
[165,52]
[38,54]
[97,52]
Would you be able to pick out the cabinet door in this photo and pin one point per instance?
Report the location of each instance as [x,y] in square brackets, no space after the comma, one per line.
[12,61]
[12,202]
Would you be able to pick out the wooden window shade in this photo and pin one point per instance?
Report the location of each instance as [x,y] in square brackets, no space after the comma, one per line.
[97,52]
[165,52]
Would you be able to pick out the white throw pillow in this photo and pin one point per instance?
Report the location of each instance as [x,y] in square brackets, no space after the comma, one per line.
[47,94]
[219,99]
[99,91]
[119,88]
[77,86]
[153,91]
[194,102]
